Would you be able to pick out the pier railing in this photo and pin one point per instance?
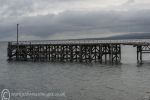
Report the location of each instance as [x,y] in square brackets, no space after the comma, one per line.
[126,42]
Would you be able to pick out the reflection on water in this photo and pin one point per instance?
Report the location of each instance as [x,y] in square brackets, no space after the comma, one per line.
[128,81]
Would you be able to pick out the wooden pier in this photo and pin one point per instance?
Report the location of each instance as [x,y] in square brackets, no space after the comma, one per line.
[102,51]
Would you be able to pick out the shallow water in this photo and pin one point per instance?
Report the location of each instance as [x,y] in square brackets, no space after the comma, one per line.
[127,81]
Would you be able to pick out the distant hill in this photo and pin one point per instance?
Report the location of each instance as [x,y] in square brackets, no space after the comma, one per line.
[125,36]
[132,36]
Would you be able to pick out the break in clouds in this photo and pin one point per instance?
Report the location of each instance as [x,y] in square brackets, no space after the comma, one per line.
[62,19]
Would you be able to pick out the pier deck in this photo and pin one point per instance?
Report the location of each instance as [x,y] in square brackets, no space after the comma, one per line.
[88,51]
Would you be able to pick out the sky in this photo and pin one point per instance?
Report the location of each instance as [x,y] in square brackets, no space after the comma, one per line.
[71,19]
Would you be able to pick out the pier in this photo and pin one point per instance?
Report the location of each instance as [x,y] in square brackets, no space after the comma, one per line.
[101,51]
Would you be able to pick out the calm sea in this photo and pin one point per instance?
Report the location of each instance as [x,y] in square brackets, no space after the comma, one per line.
[75,81]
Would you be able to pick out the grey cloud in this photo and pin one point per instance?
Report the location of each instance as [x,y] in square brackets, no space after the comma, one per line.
[130,1]
[15,7]
[24,7]
[78,21]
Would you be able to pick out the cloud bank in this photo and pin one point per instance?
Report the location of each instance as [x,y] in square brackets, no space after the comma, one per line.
[62,19]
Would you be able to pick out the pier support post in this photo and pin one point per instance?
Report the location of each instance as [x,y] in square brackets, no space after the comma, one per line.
[80,53]
[139,54]
[9,51]
[111,53]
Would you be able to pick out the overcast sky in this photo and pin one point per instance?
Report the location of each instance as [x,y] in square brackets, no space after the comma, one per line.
[62,19]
